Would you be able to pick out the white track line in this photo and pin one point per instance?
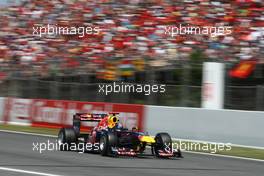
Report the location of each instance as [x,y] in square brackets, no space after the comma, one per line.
[225,156]
[211,142]
[200,153]
[26,171]
[28,133]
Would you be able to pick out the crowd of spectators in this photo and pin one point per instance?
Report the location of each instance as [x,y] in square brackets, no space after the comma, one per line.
[132,35]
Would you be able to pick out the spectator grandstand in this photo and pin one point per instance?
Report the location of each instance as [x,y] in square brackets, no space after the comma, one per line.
[132,37]
[131,46]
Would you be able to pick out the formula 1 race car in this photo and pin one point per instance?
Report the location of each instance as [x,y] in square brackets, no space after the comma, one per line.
[110,138]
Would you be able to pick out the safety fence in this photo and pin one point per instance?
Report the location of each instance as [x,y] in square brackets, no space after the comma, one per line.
[236,97]
[175,95]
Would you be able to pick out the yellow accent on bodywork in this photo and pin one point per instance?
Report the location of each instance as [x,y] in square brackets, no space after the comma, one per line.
[147,139]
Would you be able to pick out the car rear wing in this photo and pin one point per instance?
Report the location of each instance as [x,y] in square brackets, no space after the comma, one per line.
[90,117]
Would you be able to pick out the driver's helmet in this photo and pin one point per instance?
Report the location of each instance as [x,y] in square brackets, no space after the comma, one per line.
[112,121]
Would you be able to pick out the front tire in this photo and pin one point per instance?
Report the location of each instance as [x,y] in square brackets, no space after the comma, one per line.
[163,143]
[107,141]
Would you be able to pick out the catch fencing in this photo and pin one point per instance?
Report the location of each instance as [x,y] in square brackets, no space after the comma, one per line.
[236,97]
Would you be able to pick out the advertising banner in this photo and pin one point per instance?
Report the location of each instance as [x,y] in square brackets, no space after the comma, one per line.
[58,113]
[17,111]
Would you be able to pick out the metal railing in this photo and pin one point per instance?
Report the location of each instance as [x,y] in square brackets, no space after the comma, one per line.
[32,88]
[244,97]
[236,97]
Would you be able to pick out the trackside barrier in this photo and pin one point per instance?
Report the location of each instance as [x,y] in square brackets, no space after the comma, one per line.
[227,126]
[2,105]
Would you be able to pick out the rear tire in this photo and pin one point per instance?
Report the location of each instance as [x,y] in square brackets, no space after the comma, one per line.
[66,138]
[77,126]
[103,145]
[163,143]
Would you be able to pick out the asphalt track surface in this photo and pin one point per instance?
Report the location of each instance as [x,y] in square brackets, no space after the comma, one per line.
[16,152]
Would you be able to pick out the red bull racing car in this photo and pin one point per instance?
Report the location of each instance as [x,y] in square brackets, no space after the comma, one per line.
[110,138]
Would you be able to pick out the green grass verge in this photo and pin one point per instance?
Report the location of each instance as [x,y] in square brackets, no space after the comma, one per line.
[216,148]
[203,147]
[245,152]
